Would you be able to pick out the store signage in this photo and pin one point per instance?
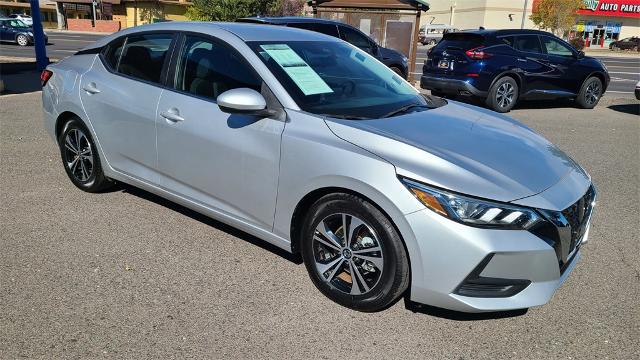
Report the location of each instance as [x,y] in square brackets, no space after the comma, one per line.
[623,8]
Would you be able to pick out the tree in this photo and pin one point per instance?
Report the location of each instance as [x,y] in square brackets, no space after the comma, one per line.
[559,16]
[227,10]
[287,8]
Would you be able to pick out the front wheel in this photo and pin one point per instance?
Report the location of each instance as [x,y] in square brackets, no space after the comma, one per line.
[353,253]
[22,40]
[590,93]
[503,95]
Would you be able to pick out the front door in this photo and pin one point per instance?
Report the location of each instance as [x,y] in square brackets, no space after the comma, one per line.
[227,162]
[120,95]
[565,76]
[532,62]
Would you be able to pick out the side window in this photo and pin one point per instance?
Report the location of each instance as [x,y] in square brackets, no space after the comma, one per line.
[509,40]
[355,38]
[528,43]
[556,48]
[112,53]
[143,56]
[207,69]
[327,29]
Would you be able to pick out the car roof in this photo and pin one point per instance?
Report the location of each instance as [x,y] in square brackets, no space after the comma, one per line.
[244,31]
[502,32]
[288,20]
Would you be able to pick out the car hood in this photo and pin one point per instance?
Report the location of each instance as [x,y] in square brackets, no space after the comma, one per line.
[464,149]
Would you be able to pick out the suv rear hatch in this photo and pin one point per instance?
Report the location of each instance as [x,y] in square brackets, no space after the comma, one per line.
[454,54]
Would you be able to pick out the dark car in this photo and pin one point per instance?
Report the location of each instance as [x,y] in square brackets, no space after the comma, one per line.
[504,66]
[632,43]
[393,59]
[15,30]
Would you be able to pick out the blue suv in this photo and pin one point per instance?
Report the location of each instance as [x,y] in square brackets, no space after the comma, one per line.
[504,66]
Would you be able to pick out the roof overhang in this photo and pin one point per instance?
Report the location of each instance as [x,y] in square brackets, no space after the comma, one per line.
[422,5]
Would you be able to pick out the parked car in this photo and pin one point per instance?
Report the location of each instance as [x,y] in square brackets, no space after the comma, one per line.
[504,66]
[392,58]
[312,145]
[16,31]
[23,17]
[431,34]
[638,90]
[631,43]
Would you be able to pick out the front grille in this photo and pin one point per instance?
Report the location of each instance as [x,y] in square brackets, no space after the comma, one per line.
[565,229]
[578,216]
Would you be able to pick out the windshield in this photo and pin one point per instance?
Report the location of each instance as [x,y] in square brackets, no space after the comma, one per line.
[338,80]
[15,23]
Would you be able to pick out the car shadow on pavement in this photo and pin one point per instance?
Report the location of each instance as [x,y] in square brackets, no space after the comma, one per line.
[460,316]
[633,109]
[20,77]
[208,221]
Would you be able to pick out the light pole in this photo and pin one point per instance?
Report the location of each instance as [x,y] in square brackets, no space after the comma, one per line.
[38,36]
[524,13]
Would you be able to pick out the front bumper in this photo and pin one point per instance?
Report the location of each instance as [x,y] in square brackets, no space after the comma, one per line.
[473,269]
[450,86]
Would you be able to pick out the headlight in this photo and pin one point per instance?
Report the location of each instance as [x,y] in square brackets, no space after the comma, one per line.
[473,212]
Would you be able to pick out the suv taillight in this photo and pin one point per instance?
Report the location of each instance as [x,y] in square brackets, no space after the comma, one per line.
[477,53]
[45,76]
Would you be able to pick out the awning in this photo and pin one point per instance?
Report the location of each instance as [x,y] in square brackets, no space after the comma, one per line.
[88,2]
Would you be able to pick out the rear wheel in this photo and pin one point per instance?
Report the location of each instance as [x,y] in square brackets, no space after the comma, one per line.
[353,253]
[80,157]
[503,95]
[590,93]
[22,40]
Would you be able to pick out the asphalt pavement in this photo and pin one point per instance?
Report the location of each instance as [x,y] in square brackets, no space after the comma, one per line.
[126,274]
[61,44]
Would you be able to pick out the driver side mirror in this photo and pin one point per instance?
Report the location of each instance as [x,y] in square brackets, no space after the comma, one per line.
[244,101]
[580,55]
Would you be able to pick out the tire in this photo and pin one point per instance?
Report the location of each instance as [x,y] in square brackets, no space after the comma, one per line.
[330,262]
[503,95]
[22,40]
[432,42]
[85,172]
[590,93]
[397,70]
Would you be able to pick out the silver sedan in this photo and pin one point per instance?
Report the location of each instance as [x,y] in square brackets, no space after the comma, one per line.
[316,147]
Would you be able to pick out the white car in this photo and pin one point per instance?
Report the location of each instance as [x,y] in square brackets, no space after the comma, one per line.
[24,18]
[638,90]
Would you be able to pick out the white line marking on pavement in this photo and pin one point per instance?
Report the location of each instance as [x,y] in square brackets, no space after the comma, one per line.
[619,92]
[621,79]
[623,73]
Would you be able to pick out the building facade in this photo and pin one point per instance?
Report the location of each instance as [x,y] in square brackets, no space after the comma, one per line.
[601,22]
[47,10]
[472,14]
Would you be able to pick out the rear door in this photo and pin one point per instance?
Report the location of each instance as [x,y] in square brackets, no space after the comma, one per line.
[448,56]
[120,95]
[532,62]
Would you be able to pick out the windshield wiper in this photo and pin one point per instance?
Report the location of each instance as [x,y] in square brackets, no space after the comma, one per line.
[405,109]
[346,117]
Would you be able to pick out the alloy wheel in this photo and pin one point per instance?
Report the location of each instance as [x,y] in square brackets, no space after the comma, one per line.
[593,92]
[505,95]
[348,254]
[78,155]
[22,40]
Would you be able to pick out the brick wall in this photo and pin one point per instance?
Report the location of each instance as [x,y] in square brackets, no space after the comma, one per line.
[108,26]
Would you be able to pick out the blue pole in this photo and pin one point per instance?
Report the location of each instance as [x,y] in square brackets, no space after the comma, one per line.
[38,36]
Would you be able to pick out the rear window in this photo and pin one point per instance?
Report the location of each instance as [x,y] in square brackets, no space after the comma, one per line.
[462,41]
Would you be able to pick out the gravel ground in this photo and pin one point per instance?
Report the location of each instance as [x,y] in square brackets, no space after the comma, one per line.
[126,274]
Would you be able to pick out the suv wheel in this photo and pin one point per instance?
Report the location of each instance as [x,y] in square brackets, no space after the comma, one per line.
[22,40]
[503,95]
[353,253]
[590,93]
[80,158]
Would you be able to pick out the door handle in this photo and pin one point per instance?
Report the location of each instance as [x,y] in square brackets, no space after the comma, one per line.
[91,88]
[172,115]
[522,60]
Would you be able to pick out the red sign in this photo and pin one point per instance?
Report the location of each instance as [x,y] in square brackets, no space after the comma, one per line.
[608,8]
[611,8]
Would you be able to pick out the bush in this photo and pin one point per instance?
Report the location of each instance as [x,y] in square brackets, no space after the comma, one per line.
[577,43]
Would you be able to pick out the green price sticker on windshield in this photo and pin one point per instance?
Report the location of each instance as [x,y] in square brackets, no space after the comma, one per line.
[297,69]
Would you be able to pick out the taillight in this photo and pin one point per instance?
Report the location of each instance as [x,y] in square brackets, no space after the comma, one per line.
[45,76]
[477,53]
